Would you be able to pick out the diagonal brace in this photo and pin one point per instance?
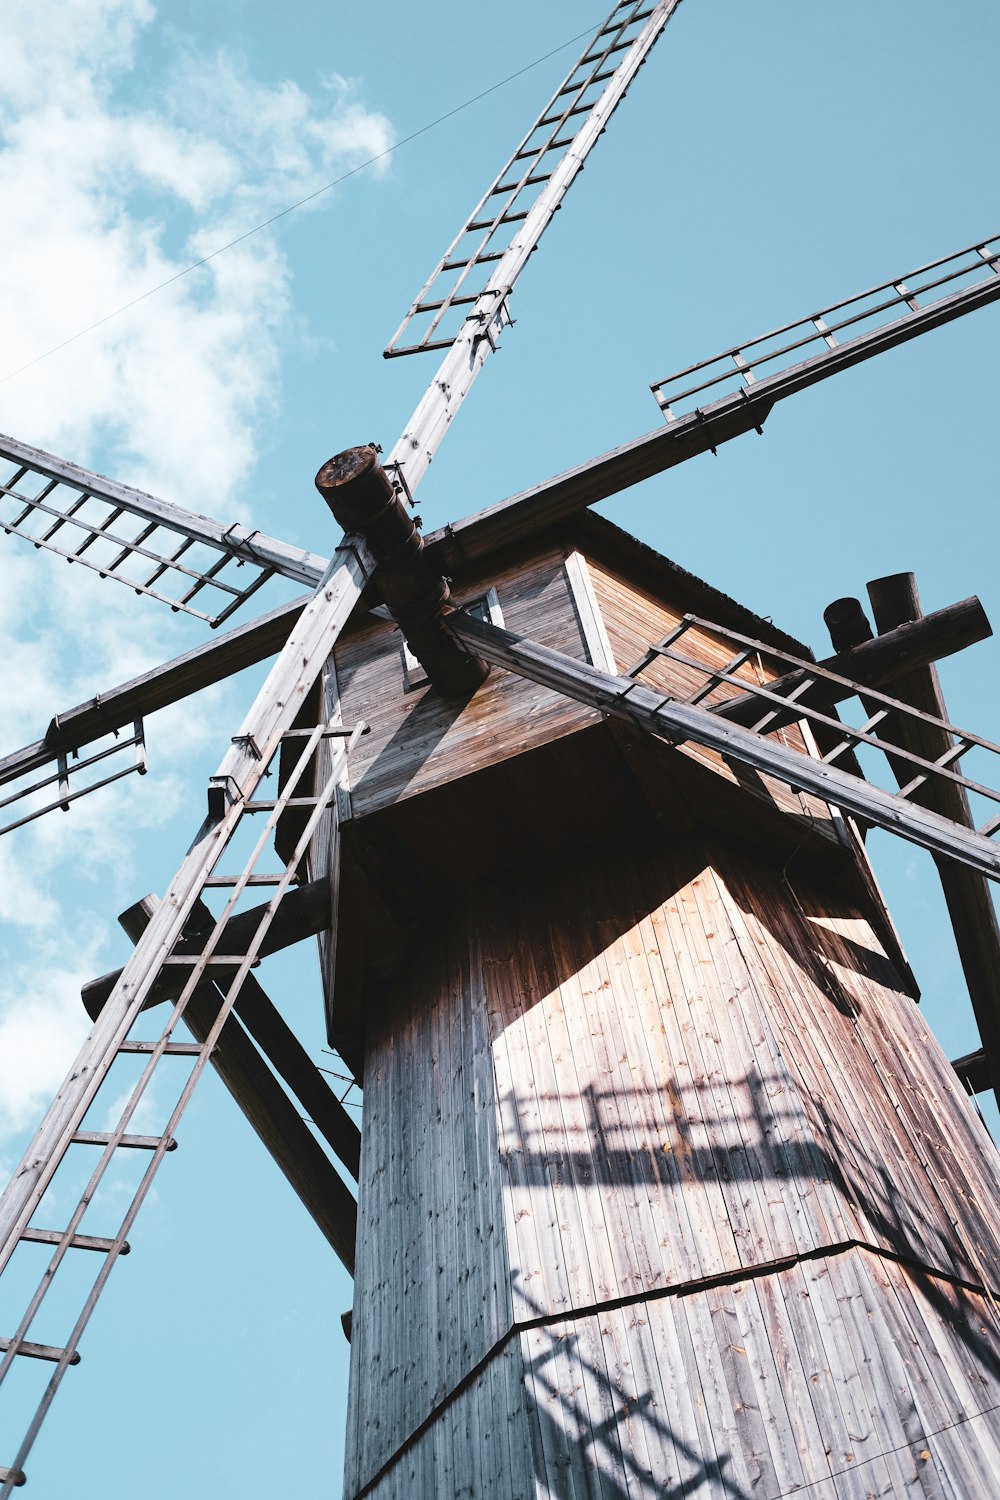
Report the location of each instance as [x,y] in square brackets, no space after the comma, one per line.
[623,698]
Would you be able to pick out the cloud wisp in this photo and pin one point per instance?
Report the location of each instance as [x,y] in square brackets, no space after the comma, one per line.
[118,168]
[105,197]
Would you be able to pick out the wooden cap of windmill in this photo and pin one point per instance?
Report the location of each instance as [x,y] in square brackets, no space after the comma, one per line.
[366,503]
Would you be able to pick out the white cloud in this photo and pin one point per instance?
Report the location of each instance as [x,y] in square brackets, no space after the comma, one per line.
[70,36]
[42,1023]
[103,198]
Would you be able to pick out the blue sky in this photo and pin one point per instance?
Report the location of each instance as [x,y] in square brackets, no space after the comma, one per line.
[770,158]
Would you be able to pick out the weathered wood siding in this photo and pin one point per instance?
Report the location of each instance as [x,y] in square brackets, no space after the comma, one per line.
[419,740]
[664,1183]
[635,619]
[826,1378]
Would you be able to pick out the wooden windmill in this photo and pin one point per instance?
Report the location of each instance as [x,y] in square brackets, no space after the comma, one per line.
[660,1178]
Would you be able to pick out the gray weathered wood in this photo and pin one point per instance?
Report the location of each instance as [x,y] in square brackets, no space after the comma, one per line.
[157,689]
[696,1067]
[424,432]
[589,611]
[303,913]
[239,541]
[910,645]
[687,437]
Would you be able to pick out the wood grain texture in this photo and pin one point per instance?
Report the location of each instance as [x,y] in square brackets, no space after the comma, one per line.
[634,619]
[419,740]
[827,1378]
[661,1161]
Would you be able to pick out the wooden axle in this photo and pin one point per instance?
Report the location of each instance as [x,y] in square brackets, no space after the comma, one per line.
[363,499]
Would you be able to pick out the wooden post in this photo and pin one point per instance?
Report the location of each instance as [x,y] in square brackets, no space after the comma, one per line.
[896,602]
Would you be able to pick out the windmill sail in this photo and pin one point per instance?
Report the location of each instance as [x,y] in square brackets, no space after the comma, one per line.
[489,252]
[93,727]
[799,354]
[155,548]
[267,727]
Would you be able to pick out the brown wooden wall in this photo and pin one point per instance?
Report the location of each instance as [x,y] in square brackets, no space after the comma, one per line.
[422,746]
[663,1176]
[418,739]
[634,618]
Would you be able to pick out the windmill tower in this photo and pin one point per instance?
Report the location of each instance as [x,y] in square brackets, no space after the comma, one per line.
[640,1078]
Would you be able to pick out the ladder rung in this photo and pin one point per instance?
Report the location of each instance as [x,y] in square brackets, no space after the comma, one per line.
[224,880]
[511,187]
[593,57]
[172,1049]
[463,301]
[420,347]
[16,1477]
[578,109]
[614,25]
[272,803]
[223,961]
[503,219]
[573,88]
[40,1351]
[540,151]
[332,732]
[136,1142]
[474,260]
[78,1241]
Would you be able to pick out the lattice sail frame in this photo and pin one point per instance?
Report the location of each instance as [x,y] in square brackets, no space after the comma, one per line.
[777,709]
[151,546]
[230,972]
[522,197]
[75,776]
[841,333]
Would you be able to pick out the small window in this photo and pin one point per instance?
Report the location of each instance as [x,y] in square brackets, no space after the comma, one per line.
[486,607]
[482,607]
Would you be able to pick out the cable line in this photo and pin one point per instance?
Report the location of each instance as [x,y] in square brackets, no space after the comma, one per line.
[300,203]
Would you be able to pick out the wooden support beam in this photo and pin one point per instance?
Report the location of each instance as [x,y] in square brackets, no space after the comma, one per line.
[607,474]
[910,645]
[974,1071]
[623,698]
[700,431]
[292,1062]
[303,913]
[267,1107]
[895,601]
[168,684]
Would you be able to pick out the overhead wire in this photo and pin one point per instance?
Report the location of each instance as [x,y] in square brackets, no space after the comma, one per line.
[282,213]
